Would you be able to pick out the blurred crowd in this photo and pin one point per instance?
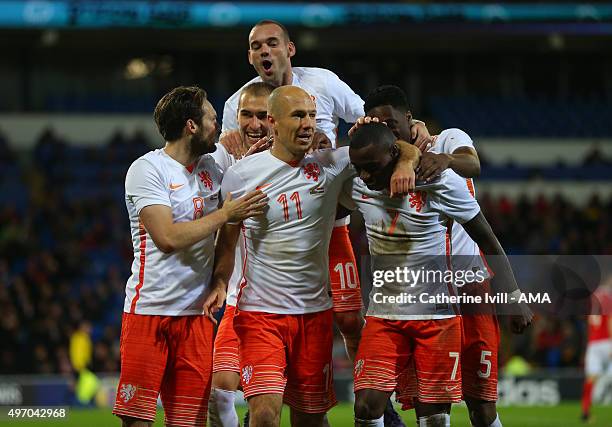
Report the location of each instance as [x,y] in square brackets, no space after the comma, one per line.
[65,254]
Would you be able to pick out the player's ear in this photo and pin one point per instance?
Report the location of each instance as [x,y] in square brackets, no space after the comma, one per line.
[249,57]
[409,116]
[191,126]
[291,49]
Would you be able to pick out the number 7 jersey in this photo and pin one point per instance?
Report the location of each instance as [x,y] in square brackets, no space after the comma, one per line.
[285,270]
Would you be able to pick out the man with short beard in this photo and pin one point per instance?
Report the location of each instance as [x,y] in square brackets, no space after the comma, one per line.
[172,197]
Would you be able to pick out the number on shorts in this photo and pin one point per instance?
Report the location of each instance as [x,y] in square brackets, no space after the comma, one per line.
[487,363]
[348,275]
[454,354]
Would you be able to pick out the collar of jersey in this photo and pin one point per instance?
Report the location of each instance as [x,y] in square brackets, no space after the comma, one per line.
[293,164]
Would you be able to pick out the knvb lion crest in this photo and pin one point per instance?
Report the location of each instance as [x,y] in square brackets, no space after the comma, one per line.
[247,374]
[206,179]
[417,199]
[358,367]
[127,392]
[312,171]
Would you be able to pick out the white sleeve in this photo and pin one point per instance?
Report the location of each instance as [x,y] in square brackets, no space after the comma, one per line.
[455,138]
[347,104]
[224,159]
[144,186]
[453,199]
[340,161]
[230,113]
[233,183]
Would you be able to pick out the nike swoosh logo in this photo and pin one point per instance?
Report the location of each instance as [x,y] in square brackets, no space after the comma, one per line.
[317,190]
[261,187]
[175,186]
[449,389]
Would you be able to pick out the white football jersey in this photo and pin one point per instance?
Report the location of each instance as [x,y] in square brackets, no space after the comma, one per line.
[334,99]
[285,270]
[412,232]
[176,283]
[466,252]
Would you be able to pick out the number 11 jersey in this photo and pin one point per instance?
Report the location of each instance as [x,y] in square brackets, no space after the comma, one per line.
[285,270]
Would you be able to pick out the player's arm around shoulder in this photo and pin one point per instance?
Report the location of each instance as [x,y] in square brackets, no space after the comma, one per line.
[403,179]
[457,153]
[170,236]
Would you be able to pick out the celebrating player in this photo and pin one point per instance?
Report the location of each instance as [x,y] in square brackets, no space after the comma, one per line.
[416,231]
[172,197]
[253,127]
[454,149]
[283,319]
[270,53]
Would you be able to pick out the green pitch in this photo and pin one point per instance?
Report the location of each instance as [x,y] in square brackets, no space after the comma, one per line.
[564,415]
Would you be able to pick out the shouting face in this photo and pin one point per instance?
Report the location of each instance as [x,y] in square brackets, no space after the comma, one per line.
[270,53]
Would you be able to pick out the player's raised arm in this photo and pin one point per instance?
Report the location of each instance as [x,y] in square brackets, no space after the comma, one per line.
[480,231]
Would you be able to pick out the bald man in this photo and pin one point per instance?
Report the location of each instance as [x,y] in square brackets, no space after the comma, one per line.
[284,317]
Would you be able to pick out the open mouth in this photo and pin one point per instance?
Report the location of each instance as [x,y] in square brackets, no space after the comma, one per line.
[267,65]
[305,138]
[254,137]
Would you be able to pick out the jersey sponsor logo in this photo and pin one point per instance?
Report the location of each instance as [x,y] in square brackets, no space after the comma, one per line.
[359,367]
[175,186]
[312,171]
[127,392]
[247,374]
[206,179]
